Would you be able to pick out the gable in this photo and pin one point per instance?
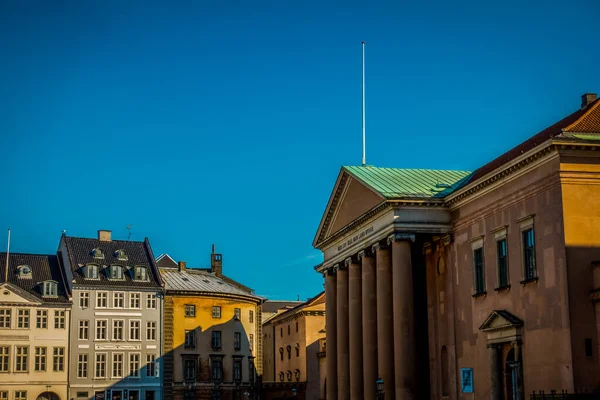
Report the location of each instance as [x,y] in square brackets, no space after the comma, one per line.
[13,294]
[500,319]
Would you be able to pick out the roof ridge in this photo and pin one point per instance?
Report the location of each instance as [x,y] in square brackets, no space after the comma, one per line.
[589,110]
[407,169]
[29,254]
[105,241]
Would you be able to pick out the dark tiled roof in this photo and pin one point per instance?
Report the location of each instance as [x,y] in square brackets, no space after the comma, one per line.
[548,133]
[43,268]
[271,306]
[138,253]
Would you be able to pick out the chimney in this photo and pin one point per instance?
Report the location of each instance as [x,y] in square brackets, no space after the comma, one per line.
[216,262]
[104,236]
[587,99]
[181,266]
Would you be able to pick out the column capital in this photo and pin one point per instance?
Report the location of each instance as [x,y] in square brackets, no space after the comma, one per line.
[400,236]
[349,261]
[379,246]
[330,271]
[364,253]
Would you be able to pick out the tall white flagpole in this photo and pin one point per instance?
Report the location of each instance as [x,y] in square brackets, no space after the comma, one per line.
[364,154]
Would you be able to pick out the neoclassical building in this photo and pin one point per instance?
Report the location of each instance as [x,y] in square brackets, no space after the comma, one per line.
[442,281]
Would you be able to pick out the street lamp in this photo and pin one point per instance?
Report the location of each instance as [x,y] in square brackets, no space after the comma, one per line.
[380,393]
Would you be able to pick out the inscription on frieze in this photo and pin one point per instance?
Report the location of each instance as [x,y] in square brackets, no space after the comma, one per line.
[359,236]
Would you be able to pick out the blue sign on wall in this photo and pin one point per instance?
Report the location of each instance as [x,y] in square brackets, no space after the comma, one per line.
[466,380]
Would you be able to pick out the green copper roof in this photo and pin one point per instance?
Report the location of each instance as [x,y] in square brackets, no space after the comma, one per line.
[584,136]
[395,183]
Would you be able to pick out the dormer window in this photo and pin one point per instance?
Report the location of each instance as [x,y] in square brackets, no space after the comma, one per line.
[116,272]
[140,273]
[121,255]
[49,288]
[24,272]
[97,253]
[90,271]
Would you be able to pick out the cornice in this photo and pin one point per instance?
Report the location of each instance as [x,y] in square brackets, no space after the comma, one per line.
[181,293]
[296,315]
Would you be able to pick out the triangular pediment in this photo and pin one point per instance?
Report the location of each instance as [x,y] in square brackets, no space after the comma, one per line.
[10,293]
[349,200]
[500,319]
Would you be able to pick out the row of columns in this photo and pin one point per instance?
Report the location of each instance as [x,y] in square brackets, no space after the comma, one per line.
[370,323]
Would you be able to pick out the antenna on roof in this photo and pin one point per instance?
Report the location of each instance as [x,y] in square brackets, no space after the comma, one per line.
[129,231]
[364,155]
[7,254]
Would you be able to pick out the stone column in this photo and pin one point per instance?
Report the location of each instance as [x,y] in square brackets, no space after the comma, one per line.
[355,323]
[495,372]
[343,357]
[369,324]
[331,333]
[404,325]
[385,320]
[516,345]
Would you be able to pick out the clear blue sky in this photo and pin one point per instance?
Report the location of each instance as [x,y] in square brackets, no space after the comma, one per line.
[226,122]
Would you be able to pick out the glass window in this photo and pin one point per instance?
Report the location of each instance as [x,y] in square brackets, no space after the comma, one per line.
[151,301]
[236,313]
[529,253]
[50,289]
[216,340]
[3,394]
[117,370]
[42,319]
[237,341]
[251,342]
[118,328]
[216,312]
[98,253]
[91,271]
[121,255]
[135,300]
[297,375]
[101,329]
[5,318]
[251,316]
[189,369]
[150,330]
[289,375]
[84,299]
[82,366]
[59,319]
[23,318]
[151,365]
[190,339]
[237,369]
[21,358]
[119,300]
[116,272]
[100,365]
[20,394]
[101,299]
[82,395]
[281,376]
[297,347]
[289,329]
[217,370]
[134,364]
[296,326]
[141,274]
[40,359]
[190,310]
[4,358]
[84,327]
[479,271]
[134,330]
[502,263]
[58,364]
[289,351]
[281,353]
[252,371]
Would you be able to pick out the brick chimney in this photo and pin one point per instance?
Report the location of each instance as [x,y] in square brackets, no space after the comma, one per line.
[181,266]
[104,236]
[587,99]
[216,262]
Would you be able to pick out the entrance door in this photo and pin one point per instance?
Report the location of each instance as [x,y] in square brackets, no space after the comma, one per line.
[513,376]
[134,395]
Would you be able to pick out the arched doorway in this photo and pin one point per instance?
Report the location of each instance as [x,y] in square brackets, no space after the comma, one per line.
[512,375]
[48,396]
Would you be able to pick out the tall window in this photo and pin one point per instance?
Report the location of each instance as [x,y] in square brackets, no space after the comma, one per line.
[479,272]
[134,329]
[21,358]
[237,312]
[502,263]
[289,351]
[216,340]
[101,329]
[281,331]
[297,347]
[190,310]
[237,341]
[118,326]
[40,359]
[4,358]
[58,363]
[251,342]
[150,330]
[119,300]
[5,318]
[59,319]
[289,329]
[84,327]
[217,369]
[251,316]
[20,394]
[189,369]
[151,365]
[216,312]
[237,369]
[529,253]
[3,394]
[445,379]
[134,364]
[296,326]
[190,339]
[50,289]
[100,371]
[23,318]
[101,299]
[281,354]
[252,372]
[135,300]
[151,301]
[117,361]
[82,366]
[91,271]
[42,319]
[84,300]
[116,272]
[141,274]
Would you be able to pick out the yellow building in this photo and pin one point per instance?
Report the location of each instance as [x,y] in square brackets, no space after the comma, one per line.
[212,330]
[295,340]
[34,328]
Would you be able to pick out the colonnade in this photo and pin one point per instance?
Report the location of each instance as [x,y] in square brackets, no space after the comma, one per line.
[370,322]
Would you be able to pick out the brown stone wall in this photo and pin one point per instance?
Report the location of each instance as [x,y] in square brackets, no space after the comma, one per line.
[542,305]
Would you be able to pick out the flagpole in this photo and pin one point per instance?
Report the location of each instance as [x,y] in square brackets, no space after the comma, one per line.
[7,255]
[364,155]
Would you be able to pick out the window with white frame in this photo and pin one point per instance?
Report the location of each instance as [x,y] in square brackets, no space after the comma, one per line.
[121,255]
[84,329]
[20,394]
[151,330]
[118,326]
[60,317]
[119,300]
[134,329]
[100,367]
[50,289]
[216,312]
[21,358]
[251,341]
[237,313]
[82,366]
[251,316]
[23,318]
[151,367]
[91,271]
[4,358]
[140,273]
[134,365]
[116,272]
[101,329]
[42,319]
[39,364]
[117,362]
[3,394]
[151,301]
[5,314]
[58,363]
[84,300]
[101,299]
[478,266]
[135,300]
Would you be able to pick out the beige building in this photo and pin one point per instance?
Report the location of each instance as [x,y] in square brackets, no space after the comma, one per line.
[441,281]
[293,365]
[34,328]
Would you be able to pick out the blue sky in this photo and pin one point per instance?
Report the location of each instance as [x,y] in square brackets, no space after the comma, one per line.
[203,122]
